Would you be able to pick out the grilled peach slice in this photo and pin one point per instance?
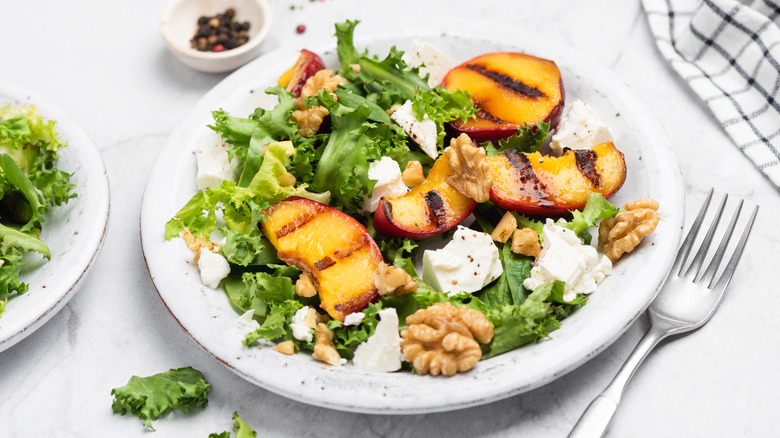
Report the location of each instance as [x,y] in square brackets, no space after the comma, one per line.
[510,90]
[541,185]
[306,66]
[329,245]
[430,208]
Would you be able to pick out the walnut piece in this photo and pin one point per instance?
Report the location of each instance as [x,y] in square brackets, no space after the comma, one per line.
[526,242]
[286,347]
[413,174]
[304,287]
[506,226]
[389,279]
[443,339]
[196,243]
[621,234]
[322,80]
[309,119]
[324,350]
[471,175]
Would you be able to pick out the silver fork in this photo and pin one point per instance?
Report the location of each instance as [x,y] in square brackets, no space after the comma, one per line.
[686,302]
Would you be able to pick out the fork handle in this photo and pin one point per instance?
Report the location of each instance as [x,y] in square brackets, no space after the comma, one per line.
[596,418]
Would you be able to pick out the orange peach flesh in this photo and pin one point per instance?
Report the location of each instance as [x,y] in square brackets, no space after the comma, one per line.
[552,185]
[331,246]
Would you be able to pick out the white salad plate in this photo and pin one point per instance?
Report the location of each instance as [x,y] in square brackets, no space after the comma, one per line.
[73,231]
[207,316]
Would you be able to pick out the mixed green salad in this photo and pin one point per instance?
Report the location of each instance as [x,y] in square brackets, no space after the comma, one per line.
[332,167]
[30,184]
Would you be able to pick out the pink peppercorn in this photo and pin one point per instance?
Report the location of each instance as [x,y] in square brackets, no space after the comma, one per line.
[301,28]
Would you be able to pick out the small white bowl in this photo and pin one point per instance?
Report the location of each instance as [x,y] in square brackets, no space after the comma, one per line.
[179,22]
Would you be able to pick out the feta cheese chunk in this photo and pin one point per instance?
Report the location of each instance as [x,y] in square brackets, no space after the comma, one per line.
[565,258]
[382,351]
[467,264]
[580,129]
[303,323]
[354,318]
[423,132]
[213,268]
[247,321]
[213,164]
[431,60]
[389,182]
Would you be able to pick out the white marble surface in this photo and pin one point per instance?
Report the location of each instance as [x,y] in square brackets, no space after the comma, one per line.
[105,63]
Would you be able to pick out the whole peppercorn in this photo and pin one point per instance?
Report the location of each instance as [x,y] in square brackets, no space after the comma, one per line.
[219,32]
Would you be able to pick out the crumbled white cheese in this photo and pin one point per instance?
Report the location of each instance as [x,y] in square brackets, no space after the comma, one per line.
[389,182]
[382,351]
[467,264]
[247,321]
[213,268]
[580,129]
[303,323]
[354,318]
[213,164]
[565,258]
[423,132]
[431,60]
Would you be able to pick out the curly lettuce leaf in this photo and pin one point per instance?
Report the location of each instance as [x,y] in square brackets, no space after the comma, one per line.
[150,397]
[32,143]
[245,249]
[241,206]
[443,107]
[516,326]
[240,427]
[276,326]
[529,138]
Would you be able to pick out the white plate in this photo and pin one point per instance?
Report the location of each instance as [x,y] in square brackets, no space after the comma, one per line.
[74,231]
[206,315]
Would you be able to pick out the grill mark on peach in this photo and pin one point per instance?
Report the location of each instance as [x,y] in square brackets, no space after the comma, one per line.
[483,114]
[528,177]
[507,81]
[388,209]
[340,254]
[586,164]
[296,223]
[438,210]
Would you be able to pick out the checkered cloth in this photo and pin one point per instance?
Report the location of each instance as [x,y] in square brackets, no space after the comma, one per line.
[729,54]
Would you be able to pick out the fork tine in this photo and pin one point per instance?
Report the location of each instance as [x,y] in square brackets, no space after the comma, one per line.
[715,262]
[685,248]
[698,260]
[731,267]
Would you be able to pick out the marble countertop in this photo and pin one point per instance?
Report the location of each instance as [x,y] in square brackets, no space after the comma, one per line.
[106,64]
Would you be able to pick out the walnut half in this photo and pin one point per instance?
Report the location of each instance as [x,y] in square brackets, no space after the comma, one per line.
[622,233]
[471,172]
[526,242]
[324,350]
[443,339]
[389,279]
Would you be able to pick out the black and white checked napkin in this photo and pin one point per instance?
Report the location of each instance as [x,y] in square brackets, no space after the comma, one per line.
[729,54]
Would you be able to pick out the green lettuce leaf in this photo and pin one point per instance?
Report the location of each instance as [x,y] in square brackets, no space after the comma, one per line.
[516,326]
[443,107]
[241,206]
[150,397]
[248,249]
[529,138]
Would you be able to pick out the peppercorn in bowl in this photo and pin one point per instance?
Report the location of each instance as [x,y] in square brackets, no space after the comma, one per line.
[215,36]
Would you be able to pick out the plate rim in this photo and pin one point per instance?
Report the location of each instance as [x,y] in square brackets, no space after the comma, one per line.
[96,177]
[233,81]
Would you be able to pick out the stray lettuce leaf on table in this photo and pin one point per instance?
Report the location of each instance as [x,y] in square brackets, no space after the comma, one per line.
[150,397]
[240,427]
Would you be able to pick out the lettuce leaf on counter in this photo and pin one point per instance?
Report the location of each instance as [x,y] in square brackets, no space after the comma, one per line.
[240,427]
[150,397]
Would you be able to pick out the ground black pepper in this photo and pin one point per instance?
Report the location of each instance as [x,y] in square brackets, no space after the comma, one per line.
[220,32]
